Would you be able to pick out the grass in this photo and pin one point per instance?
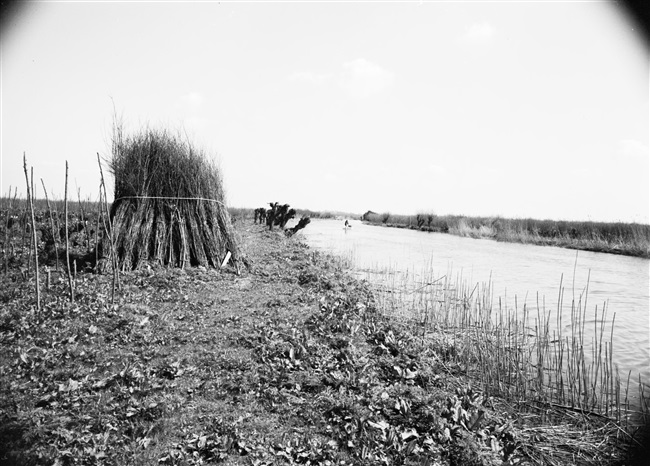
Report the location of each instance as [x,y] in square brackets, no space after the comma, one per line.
[631,239]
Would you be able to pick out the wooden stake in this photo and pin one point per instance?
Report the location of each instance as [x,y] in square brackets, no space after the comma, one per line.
[99,214]
[83,220]
[55,234]
[109,231]
[25,225]
[67,239]
[31,208]
[6,243]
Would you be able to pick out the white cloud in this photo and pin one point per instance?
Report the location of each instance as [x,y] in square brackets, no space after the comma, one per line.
[479,33]
[492,173]
[359,78]
[331,177]
[436,170]
[582,173]
[192,100]
[308,76]
[362,78]
[196,123]
[633,148]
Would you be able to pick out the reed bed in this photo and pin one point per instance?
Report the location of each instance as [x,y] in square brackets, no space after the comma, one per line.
[544,359]
[614,237]
[326,214]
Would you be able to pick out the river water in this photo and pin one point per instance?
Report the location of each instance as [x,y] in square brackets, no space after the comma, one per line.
[527,272]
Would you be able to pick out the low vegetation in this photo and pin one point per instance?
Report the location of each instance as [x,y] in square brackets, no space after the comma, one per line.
[533,357]
[293,361]
[616,238]
[327,214]
[244,213]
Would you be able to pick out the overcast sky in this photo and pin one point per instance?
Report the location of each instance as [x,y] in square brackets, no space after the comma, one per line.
[518,109]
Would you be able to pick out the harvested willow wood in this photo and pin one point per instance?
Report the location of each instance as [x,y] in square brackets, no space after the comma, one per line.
[169,203]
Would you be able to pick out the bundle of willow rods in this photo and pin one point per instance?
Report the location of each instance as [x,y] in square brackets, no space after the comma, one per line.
[169,203]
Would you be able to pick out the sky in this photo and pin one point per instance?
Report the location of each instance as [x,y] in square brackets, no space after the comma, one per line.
[512,109]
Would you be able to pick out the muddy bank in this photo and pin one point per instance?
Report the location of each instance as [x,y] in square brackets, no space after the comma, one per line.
[287,363]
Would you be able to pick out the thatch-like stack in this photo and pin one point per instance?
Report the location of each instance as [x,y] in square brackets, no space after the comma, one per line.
[169,203]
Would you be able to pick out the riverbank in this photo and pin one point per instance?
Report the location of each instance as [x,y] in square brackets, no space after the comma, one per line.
[288,362]
[631,239]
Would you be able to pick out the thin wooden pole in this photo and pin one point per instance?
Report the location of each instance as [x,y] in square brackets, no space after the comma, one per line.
[31,209]
[24,225]
[6,243]
[99,214]
[13,202]
[55,234]
[57,218]
[83,220]
[67,239]
[114,262]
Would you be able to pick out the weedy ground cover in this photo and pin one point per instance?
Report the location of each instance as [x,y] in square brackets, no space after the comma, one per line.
[290,362]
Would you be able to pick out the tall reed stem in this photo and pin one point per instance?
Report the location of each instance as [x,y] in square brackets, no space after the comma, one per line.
[564,367]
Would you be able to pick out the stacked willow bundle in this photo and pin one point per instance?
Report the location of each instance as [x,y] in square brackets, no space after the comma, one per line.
[169,203]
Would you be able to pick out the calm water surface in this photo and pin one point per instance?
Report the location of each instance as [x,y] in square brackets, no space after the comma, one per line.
[525,271]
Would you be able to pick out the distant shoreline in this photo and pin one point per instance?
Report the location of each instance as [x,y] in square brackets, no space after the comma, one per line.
[629,239]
